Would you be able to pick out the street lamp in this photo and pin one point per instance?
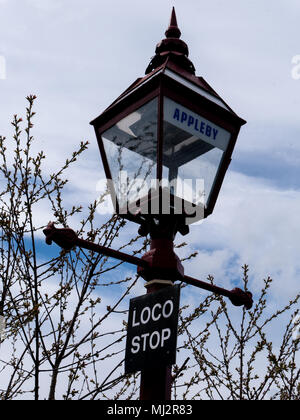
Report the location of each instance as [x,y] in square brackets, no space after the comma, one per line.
[166,143]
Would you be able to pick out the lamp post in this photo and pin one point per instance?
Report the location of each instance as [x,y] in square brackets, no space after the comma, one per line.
[166,143]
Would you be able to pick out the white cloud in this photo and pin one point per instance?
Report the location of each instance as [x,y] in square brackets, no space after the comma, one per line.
[46,5]
[256,224]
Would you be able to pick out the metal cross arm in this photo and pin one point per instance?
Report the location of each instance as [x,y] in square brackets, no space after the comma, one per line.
[67,239]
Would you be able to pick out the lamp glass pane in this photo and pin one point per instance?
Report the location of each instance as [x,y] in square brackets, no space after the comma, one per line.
[193,148]
[131,150]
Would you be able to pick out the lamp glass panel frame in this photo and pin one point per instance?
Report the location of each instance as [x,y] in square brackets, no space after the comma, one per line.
[130,147]
[193,149]
[189,135]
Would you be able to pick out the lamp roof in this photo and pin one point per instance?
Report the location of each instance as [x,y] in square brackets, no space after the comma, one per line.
[172,55]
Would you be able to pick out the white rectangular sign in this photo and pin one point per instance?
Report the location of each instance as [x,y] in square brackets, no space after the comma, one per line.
[198,126]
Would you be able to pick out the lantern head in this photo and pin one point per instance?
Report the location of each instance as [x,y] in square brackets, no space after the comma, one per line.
[166,142]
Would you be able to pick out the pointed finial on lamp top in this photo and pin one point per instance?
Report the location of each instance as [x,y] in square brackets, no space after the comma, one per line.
[173,31]
[171,47]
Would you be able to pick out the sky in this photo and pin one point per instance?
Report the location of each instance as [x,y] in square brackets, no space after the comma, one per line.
[77,57]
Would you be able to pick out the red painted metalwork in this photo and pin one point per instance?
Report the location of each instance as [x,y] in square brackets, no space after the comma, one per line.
[156,386]
[160,133]
[67,239]
[237,296]
[162,262]
[159,262]
[172,47]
